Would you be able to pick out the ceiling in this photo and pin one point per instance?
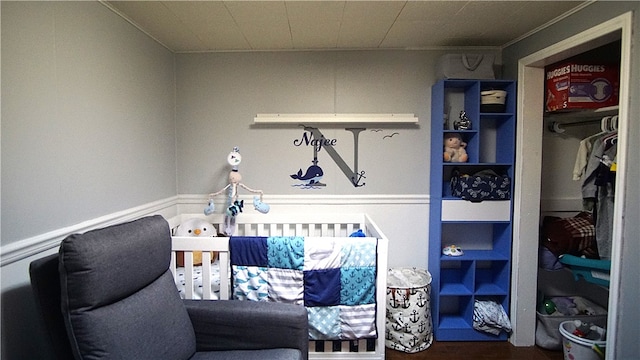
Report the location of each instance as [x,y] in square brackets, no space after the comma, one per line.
[203,26]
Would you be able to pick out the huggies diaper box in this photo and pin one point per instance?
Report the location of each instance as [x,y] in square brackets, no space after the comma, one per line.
[573,85]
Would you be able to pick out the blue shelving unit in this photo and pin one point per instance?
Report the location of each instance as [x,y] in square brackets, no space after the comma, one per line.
[483,230]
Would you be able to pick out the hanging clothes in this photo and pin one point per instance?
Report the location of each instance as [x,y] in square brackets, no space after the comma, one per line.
[598,189]
[608,124]
[582,157]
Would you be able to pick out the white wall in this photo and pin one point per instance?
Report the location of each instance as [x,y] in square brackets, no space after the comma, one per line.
[87,131]
[558,189]
[219,94]
[87,116]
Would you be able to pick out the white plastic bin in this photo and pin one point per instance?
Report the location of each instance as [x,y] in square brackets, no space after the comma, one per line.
[578,348]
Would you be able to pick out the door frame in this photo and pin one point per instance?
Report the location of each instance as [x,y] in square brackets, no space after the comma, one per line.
[528,171]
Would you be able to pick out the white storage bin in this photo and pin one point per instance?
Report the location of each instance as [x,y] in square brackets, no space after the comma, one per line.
[492,100]
[460,210]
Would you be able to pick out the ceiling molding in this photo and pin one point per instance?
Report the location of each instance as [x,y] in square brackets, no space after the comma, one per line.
[550,23]
[133,23]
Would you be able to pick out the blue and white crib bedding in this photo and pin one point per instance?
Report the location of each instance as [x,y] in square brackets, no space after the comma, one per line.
[334,278]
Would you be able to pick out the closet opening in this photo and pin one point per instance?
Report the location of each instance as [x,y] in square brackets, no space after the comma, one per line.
[579,148]
[528,203]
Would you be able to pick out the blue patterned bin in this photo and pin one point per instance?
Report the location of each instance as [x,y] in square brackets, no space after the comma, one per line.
[483,185]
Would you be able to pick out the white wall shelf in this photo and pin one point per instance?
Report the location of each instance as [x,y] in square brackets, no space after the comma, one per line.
[336,119]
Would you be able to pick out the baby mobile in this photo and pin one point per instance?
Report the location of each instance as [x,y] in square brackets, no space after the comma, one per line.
[234,206]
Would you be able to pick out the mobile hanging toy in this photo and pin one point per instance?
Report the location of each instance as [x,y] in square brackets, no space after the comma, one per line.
[235,206]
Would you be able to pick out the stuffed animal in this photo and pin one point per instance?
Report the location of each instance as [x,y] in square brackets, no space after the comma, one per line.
[582,328]
[260,206]
[194,227]
[211,207]
[234,206]
[454,148]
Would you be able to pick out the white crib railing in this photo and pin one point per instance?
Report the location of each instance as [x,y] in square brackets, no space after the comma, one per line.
[323,225]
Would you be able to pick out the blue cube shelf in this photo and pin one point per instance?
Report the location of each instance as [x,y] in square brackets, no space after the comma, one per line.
[483,271]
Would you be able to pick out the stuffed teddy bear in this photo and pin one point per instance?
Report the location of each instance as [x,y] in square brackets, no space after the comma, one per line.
[454,148]
[194,227]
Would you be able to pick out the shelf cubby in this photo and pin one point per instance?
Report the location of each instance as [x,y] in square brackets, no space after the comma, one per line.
[456,277]
[456,312]
[492,277]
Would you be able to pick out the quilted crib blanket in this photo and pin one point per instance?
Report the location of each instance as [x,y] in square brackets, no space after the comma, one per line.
[334,278]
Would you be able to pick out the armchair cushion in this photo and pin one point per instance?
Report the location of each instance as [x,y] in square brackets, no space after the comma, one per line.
[113,310]
[247,325]
[98,264]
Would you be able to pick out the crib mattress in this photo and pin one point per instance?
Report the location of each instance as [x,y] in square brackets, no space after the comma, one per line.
[197,281]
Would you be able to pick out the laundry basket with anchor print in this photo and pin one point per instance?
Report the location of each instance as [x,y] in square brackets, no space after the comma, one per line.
[409,326]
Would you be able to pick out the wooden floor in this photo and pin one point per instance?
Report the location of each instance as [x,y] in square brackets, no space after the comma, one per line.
[476,350]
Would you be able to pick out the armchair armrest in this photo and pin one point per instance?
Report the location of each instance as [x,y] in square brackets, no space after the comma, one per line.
[246,325]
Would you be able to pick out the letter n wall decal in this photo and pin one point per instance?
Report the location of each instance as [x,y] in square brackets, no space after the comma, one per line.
[311,178]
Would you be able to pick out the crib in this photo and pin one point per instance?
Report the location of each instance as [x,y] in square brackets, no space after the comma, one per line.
[305,225]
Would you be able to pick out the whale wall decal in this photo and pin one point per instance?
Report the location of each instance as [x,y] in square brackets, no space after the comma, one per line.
[312,176]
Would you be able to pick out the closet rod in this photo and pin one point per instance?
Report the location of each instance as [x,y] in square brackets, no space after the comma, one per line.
[606,112]
[557,127]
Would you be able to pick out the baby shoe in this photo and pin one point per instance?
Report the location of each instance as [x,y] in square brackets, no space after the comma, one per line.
[452,250]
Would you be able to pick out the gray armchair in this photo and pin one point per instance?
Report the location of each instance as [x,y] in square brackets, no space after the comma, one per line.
[109,294]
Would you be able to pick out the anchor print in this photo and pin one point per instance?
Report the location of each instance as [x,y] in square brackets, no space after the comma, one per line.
[398,327]
[388,335]
[406,327]
[394,304]
[400,299]
[414,316]
[406,303]
[422,327]
[414,341]
[421,302]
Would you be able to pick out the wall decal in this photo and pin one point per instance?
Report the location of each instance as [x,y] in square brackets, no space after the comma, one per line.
[311,177]
[385,136]
[390,136]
